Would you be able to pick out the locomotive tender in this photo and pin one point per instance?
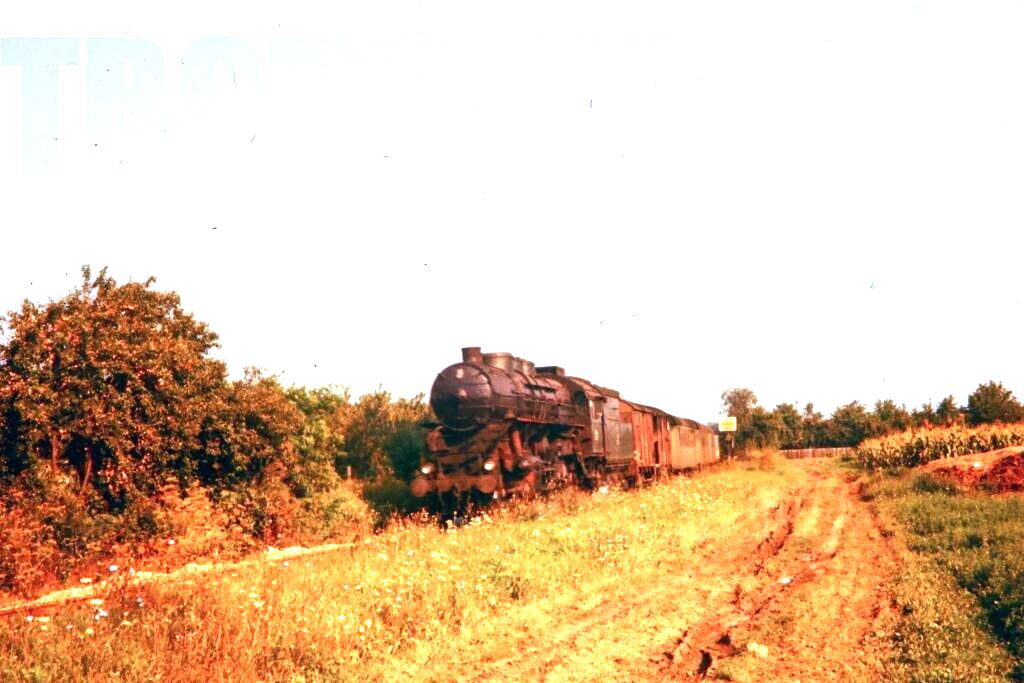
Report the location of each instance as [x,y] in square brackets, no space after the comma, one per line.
[505,426]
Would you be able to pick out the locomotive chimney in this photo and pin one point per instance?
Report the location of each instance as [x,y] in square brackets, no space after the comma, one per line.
[471,354]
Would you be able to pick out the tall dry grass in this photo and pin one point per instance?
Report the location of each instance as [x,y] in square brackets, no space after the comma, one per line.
[414,602]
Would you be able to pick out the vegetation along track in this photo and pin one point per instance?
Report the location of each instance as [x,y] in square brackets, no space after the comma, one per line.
[767,570]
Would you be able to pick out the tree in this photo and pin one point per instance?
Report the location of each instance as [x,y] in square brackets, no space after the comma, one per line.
[763,430]
[814,428]
[320,442]
[947,412]
[851,424]
[251,432]
[740,403]
[993,402]
[789,424]
[889,417]
[380,433]
[111,383]
[923,416]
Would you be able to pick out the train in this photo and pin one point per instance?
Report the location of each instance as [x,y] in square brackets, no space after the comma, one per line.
[505,426]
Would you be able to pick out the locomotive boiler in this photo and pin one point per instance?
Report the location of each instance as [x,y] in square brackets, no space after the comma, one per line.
[505,426]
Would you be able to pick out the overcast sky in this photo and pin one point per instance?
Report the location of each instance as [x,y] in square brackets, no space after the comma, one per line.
[819,202]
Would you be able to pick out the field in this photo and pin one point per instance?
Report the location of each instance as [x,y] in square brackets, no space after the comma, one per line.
[762,570]
[962,584]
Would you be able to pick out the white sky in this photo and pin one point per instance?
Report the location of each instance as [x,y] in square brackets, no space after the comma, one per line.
[819,202]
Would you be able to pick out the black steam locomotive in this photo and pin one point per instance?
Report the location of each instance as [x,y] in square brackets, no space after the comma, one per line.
[505,426]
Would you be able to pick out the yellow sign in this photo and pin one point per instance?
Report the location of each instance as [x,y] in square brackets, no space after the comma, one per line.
[727,424]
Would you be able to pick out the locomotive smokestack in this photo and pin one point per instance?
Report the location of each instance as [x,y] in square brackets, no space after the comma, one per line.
[471,354]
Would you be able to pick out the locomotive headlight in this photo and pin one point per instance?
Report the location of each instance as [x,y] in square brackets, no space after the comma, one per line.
[427,469]
[488,466]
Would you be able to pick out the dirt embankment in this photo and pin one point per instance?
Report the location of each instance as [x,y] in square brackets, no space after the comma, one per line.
[998,471]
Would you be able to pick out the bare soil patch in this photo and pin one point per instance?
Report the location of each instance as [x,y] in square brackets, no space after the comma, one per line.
[796,590]
[1000,470]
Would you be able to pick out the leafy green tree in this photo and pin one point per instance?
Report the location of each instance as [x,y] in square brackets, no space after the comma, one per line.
[764,429]
[111,384]
[320,442]
[993,402]
[814,428]
[382,437]
[890,417]
[789,425]
[851,424]
[947,412]
[254,429]
[740,403]
[925,415]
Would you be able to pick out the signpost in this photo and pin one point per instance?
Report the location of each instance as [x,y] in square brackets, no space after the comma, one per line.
[727,425]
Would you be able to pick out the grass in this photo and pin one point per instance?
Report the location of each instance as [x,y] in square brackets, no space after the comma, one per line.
[414,602]
[961,590]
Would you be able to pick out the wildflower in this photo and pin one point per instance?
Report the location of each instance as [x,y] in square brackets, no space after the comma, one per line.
[100,614]
[258,604]
[43,620]
[112,568]
[88,631]
[96,602]
[170,541]
[29,618]
[139,602]
[758,649]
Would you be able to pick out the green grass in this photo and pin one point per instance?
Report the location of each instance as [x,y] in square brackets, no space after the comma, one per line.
[961,591]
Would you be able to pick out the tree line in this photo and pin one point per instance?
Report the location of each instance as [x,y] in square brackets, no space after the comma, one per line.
[785,426]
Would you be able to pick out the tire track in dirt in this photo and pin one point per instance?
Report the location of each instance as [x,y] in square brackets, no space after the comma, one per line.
[757,543]
[815,562]
[843,579]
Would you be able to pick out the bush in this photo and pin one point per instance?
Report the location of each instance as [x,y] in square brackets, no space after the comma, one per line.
[339,514]
[29,553]
[389,497]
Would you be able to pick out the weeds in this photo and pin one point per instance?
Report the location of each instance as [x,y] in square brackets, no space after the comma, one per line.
[415,601]
[961,591]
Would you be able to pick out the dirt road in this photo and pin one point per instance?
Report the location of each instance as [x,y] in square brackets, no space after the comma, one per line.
[793,592]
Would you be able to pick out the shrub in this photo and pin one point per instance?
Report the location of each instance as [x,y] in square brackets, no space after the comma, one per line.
[389,497]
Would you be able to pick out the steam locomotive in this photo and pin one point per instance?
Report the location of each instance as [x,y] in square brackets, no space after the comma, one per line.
[506,426]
